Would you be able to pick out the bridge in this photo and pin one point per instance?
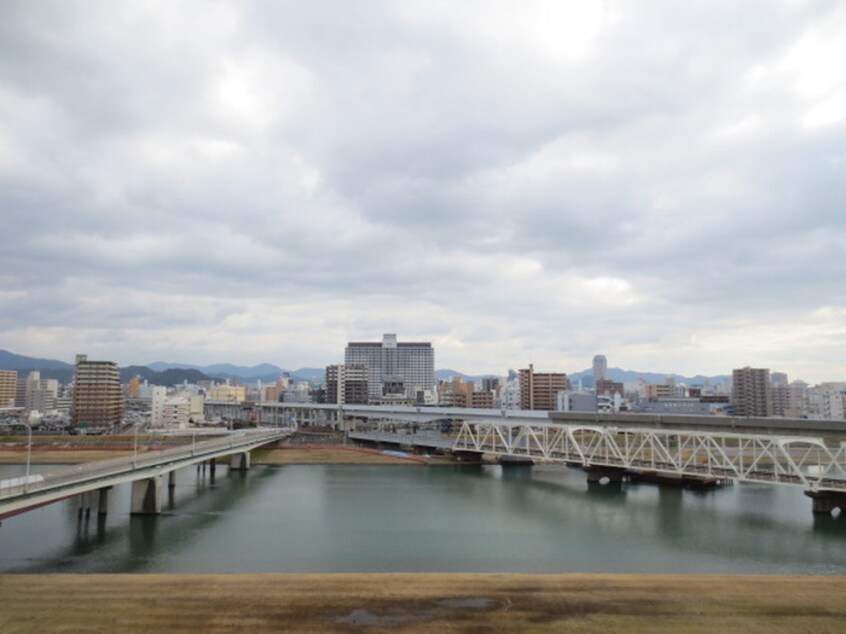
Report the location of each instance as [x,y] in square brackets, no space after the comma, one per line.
[145,472]
[778,451]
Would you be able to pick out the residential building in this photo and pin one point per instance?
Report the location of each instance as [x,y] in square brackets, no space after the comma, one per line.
[751,392]
[158,398]
[538,391]
[97,394]
[8,388]
[608,388]
[396,371]
[347,384]
[176,412]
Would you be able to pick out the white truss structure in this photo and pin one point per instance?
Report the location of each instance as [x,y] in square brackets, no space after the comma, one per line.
[794,460]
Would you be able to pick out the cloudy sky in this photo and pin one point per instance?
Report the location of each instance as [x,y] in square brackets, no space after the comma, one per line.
[661,182]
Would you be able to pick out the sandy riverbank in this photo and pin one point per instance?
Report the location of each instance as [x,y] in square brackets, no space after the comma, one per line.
[422,602]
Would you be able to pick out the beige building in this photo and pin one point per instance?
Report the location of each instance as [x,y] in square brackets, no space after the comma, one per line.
[235,393]
[176,413]
[97,393]
[538,390]
[8,386]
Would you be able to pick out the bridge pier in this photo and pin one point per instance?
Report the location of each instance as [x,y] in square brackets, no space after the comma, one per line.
[240,461]
[171,480]
[212,466]
[147,496]
[824,502]
[596,475]
[471,457]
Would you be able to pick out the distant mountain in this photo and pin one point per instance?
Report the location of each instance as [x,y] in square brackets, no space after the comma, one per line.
[264,372]
[223,370]
[11,361]
[631,376]
[446,375]
[171,376]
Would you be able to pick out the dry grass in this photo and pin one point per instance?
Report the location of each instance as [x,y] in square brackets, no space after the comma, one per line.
[326,455]
[420,603]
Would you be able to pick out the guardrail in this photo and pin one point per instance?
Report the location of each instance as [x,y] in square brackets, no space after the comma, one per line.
[79,474]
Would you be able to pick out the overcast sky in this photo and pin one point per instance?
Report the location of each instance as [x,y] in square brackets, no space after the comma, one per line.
[661,182]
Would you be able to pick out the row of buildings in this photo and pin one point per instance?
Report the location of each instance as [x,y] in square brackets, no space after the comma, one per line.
[402,373]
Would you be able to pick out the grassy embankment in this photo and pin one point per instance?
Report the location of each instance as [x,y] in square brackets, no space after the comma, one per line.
[424,602]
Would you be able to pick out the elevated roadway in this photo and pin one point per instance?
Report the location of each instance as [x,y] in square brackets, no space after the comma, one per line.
[145,472]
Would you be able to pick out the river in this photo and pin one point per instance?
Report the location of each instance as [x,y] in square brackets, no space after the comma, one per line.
[353,518]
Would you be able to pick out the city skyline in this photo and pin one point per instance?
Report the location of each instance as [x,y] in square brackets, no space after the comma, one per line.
[535,182]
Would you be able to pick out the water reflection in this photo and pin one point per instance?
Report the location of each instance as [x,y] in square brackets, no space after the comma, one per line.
[453,518]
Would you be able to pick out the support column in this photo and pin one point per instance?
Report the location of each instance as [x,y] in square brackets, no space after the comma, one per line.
[212,466]
[824,502]
[171,480]
[147,496]
[240,461]
[103,501]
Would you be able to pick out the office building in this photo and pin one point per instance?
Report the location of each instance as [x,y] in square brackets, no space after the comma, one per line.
[8,388]
[97,394]
[600,368]
[751,392]
[395,370]
[538,391]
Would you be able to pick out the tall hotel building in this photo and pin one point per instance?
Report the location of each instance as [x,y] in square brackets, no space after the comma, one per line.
[393,369]
[97,394]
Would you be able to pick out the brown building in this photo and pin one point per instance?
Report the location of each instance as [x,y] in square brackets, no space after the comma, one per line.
[8,387]
[608,387]
[539,390]
[97,394]
[482,400]
[751,393]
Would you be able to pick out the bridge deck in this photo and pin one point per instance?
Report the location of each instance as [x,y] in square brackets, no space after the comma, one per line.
[65,482]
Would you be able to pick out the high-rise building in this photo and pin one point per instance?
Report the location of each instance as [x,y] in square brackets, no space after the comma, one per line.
[39,395]
[600,368]
[539,391]
[8,387]
[346,384]
[751,392]
[97,393]
[394,369]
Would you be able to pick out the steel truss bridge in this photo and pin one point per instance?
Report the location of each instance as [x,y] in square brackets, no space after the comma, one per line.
[745,457]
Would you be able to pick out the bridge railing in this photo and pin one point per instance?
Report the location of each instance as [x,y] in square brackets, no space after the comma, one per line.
[115,466]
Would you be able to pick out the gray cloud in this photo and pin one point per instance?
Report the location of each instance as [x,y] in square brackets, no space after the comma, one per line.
[517,182]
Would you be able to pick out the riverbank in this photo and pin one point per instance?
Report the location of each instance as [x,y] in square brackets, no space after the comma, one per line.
[276,456]
[421,603]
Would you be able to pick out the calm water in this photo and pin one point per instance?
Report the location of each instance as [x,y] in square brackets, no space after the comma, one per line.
[408,519]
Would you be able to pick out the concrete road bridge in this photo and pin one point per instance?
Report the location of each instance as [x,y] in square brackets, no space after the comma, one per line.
[778,451]
[146,472]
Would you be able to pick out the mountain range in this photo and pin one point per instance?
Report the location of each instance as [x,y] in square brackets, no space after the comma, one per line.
[167,373]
